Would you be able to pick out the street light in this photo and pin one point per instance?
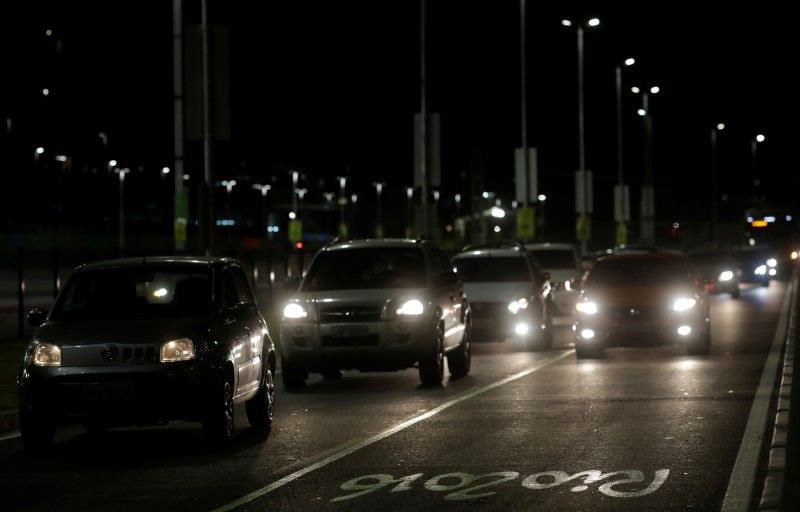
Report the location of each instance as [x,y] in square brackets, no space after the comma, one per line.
[647,211]
[379,225]
[584,206]
[121,173]
[410,196]
[756,181]
[714,202]
[342,203]
[621,208]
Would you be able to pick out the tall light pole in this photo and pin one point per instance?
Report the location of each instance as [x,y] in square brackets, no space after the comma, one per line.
[621,196]
[714,199]
[410,196]
[342,203]
[583,181]
[756,180]
[647,210]
[264,189]
[379,223]
[121,173]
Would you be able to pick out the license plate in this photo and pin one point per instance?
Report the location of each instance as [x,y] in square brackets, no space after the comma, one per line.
[349,331]
[108,391]
[634,328]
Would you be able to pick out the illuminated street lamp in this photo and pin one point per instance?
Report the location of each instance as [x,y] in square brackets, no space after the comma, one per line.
[584,188]
[714,201]
[379,224]
[410,196]
[621,202]
[342,203]
[121,173]
[756,180]
[647,210]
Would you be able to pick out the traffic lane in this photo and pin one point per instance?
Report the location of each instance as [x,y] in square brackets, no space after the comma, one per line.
[639,429]
[170,464]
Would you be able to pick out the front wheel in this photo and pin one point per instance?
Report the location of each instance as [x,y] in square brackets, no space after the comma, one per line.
[218,425]
[261,408]
[431,366]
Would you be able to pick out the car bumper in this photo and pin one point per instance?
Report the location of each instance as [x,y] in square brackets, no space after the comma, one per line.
[677,329]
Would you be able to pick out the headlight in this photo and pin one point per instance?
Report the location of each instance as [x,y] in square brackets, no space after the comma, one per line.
[411,307]
[760,270]
[43,353]
[181,349]
[587,308]
[683,304]
[518,305]
[727,275]
[294,310]
[772,262]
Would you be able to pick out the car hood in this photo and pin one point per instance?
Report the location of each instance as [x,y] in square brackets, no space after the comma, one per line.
[497,292]
[364,297]
[73,332]
[638,296]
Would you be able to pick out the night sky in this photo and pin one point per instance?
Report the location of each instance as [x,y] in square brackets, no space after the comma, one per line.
[331,88]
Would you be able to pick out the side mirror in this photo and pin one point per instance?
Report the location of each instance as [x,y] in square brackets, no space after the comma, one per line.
[36,316]
[243,311]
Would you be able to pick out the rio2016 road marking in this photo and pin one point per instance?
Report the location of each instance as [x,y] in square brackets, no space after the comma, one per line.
[383,435]
[465,484]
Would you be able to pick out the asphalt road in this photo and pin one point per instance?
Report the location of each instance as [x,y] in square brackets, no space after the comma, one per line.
[641,429]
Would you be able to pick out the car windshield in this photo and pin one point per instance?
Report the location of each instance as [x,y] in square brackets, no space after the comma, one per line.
[492,269]
[552,258]
[135,293]
[610,273]
[355,269]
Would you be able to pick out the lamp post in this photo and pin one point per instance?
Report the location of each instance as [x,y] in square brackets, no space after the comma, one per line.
[121,173]
[410,196]
[263,189]
[714,200]
[379,224]
[621,203]
[756,180]
[342,203]
[647,210]
[583,181]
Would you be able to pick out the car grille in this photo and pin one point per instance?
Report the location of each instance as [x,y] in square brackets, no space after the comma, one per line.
[139,354]
[345,314]
[633,313]
[371,340]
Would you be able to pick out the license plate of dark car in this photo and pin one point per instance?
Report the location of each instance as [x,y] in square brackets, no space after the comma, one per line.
[107,391]
[349,331]
[640,328]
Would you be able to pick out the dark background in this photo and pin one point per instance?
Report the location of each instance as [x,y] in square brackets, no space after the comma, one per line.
[330,89]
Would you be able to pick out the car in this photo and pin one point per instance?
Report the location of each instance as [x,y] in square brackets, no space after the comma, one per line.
[562,262]
[509,293]
[642,299]
[376,305]
[145,341]
[759,264]
[720,269]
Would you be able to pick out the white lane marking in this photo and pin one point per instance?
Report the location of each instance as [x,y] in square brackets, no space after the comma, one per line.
[363,444]
[737,496]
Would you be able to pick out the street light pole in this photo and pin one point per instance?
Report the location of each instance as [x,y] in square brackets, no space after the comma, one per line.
[410,196]
[584,205]
[756,180]
[379,224]
[342,202]
[121,173]
[714,199]
[647,211]
[621,210]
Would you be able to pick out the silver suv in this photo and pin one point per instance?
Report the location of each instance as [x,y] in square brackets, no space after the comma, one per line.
[376,305]
[509,293]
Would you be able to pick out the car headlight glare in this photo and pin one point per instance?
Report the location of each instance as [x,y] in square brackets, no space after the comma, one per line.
[726,275]
[181,349]
[518,305]
[772,262]
[760,270]
[294,310]
[411,307]
[43,353]
[587,308]
[684,304]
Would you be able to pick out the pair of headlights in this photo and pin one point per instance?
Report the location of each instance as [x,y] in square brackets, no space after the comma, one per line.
[413,307]
[682,304]
[45,353]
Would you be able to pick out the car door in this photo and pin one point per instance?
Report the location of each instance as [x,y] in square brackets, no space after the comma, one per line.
[244,326]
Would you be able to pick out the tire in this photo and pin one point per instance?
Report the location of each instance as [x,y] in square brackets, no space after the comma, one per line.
[293,376]
[218,425]
[585,352]
[701,346]
[459,360]
[431,366]
[37,432]
[261,408]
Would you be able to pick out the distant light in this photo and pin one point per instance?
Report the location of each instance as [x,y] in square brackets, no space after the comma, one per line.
[635,90]
[641,112]
[749,219]
[165,170]
[292,215]
[759,223]
[61,158]
[655,90]
[788,218]
[497,229]
[498,213]
[769,218]
[39,150]
[542,197]
[298,245]
[630,61]
[593,22]
[676,225]
[185,177]
[160,292]
[45,92]
[760,138]
[684,330]
[48,32]
[721,126]
[566,23]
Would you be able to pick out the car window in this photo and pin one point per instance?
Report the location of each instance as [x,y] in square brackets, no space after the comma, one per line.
[638,272]
[235,288]
[556,258]
[354,269]
[492,269]
[130,293]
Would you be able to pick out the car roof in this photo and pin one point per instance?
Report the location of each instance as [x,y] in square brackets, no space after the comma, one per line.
[199,261]
[645,256]
[547,246]
[491,251]
[363,243]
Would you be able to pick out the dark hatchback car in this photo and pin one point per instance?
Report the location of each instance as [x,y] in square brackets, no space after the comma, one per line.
[136,342]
